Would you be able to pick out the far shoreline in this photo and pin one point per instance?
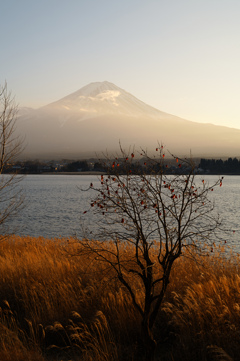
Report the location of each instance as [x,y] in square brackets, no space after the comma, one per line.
[105,173]
[73,173]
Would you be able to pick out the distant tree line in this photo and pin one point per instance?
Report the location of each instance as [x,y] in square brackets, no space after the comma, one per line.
[213,166]
[114,165]
[207,166]
[144,166]
[39,167]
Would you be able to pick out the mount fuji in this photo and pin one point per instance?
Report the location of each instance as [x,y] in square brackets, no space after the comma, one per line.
[95,118]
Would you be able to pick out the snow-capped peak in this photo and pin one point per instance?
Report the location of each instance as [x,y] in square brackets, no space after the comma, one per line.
[105,98]
[93,89]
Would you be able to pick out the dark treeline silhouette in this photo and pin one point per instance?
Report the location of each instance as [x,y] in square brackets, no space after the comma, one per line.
[143,166]
[119,165]
[206,166]
[39,167]
[213,166]
[78,166]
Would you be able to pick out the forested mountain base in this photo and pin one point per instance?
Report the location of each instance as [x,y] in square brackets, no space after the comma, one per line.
[218,166]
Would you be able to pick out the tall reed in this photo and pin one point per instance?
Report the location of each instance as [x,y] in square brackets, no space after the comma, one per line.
[59,303]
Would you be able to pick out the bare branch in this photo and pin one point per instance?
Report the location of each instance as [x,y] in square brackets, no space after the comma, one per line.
[11,146]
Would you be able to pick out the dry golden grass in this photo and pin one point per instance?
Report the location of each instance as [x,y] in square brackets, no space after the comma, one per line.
[58,303]
[203,304]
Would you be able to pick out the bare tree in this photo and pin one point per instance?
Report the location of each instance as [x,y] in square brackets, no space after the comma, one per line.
[157,208]
[11,146]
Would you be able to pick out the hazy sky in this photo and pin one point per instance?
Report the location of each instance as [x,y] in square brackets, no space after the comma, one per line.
[180,56]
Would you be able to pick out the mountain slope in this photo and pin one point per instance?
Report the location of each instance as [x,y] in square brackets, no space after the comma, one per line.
[94,119]
[104,98]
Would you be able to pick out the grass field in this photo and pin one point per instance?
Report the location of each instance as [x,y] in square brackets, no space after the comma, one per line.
[59,304]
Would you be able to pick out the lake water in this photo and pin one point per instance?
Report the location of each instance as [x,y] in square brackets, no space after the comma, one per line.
[54,205]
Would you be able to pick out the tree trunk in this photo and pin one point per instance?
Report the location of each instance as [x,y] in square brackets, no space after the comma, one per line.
[148,340]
